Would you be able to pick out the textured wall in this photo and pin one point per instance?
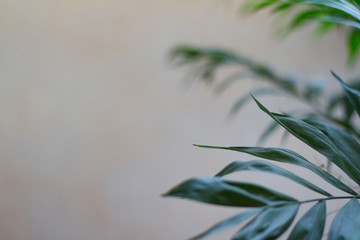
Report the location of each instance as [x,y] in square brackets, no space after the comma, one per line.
[94,125]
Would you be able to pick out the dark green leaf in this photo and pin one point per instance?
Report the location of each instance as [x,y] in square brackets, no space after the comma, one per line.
[318,141]
[228,193]
[346,224]
[263,166]
[269,224]
[344,141]
[311,225]
[352,94]
[244,99]
[228,223]
[288,156]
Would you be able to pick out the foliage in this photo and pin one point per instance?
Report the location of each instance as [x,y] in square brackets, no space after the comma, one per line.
[328,14]
[336,138]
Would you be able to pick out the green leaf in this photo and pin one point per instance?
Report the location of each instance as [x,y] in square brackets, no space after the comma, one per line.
[269,224]
[341,5]
[228,193]
[228,223]
[258,5]
[346,224]
[353,45]
[344,141]
[244,99]
[311,225]
[263,166]
[352,94]
[302,17]
[318,141]
[288,156]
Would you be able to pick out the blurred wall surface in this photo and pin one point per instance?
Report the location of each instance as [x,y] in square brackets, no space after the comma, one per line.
[95,124]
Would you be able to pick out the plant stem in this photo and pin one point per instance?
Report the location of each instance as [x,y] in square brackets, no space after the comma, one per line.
[328,198]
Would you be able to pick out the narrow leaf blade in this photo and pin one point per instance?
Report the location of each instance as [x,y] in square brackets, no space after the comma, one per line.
[227,193]
[288,156]
[319,141]
[263,166]
[311,224]
[269,224]
[228,223]
[346,224]
[352,94]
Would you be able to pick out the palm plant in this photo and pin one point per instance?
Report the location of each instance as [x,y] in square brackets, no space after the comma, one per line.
[336,138]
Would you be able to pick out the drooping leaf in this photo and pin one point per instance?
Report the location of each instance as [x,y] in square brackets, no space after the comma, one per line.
[228,223]
[263,166]
[352,94]
[269,224]
[342,5]
[344,141]
[311,224]
[318,141]
[304,16]
[346,224]
[337,19]
[228,193]
[288,156]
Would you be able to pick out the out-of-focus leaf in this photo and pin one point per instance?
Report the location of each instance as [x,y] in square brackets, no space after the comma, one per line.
[314,88]
[352,94]
[227,82]
[263,166]
[282,7]
[257,5]
[267,132]
[323,27]
[288,156]
[318,141]
[304,16]
[346,224]
[311,224]
[344,103]
[269,224]
[228,193]
[244,99]
[353,45]
[228,223]
[341,20]
[342,5]
[284,137]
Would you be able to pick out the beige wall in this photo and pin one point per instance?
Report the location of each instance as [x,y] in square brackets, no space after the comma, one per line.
[94,126]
